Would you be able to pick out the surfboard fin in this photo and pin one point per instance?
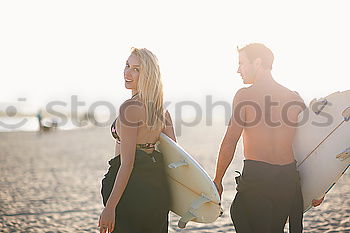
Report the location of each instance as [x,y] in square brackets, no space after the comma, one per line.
[318,105]
[178,164]
[200,201]
[189,214]
[185,219]
[346,114]
[344,155]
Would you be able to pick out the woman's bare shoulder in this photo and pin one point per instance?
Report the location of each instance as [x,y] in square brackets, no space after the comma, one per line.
[131,111]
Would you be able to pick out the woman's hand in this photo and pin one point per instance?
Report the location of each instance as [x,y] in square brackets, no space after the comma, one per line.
[106,222]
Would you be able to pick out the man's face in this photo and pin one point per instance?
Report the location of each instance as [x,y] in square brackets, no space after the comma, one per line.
[246,69]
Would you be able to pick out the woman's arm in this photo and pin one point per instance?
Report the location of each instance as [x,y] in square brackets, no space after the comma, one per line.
[169,128]
[129,114]
[129,120]
[117,149]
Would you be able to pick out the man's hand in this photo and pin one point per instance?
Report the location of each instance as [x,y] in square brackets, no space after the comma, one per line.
[316,203]
[219,187]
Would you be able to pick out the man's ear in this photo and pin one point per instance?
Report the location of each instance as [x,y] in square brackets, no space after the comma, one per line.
[257,63]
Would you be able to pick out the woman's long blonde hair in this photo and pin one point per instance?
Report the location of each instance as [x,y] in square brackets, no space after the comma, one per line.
[150,88]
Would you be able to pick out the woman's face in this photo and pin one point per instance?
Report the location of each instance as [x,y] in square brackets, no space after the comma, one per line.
[132,72]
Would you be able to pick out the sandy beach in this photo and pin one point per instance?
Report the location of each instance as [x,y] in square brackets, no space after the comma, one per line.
[50,182]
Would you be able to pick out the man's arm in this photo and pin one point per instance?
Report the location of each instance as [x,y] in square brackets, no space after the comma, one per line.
[229,142]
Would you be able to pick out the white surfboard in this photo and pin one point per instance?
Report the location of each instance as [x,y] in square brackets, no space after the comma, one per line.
[194,195]
[322,145]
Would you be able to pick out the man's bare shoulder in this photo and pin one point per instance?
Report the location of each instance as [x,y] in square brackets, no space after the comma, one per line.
[241,94]
[292,95]
[296,96]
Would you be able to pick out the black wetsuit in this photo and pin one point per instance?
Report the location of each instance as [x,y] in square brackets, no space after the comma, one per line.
[266,196]
[144,205]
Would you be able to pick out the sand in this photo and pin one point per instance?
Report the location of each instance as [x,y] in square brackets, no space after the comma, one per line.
[51,182]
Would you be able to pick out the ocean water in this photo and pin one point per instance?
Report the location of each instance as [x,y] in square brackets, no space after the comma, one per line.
[15,124]
[10,124]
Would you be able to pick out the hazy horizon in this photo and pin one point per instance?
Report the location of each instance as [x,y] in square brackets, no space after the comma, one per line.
[53,50]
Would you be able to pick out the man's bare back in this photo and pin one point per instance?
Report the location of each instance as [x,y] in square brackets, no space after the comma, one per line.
[271,114]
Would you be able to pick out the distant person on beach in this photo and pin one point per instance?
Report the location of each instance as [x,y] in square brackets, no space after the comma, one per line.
[54,123]
[268,191]
[135,190]
[39,117]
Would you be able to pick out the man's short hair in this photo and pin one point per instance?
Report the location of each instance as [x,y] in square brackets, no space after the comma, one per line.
[257,50]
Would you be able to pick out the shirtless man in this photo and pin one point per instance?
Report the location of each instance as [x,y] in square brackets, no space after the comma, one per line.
[266,113]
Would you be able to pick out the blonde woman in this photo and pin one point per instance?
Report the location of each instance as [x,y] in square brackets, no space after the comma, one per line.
[134,190]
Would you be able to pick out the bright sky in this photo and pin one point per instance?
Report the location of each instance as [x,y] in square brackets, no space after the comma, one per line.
[50,50]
